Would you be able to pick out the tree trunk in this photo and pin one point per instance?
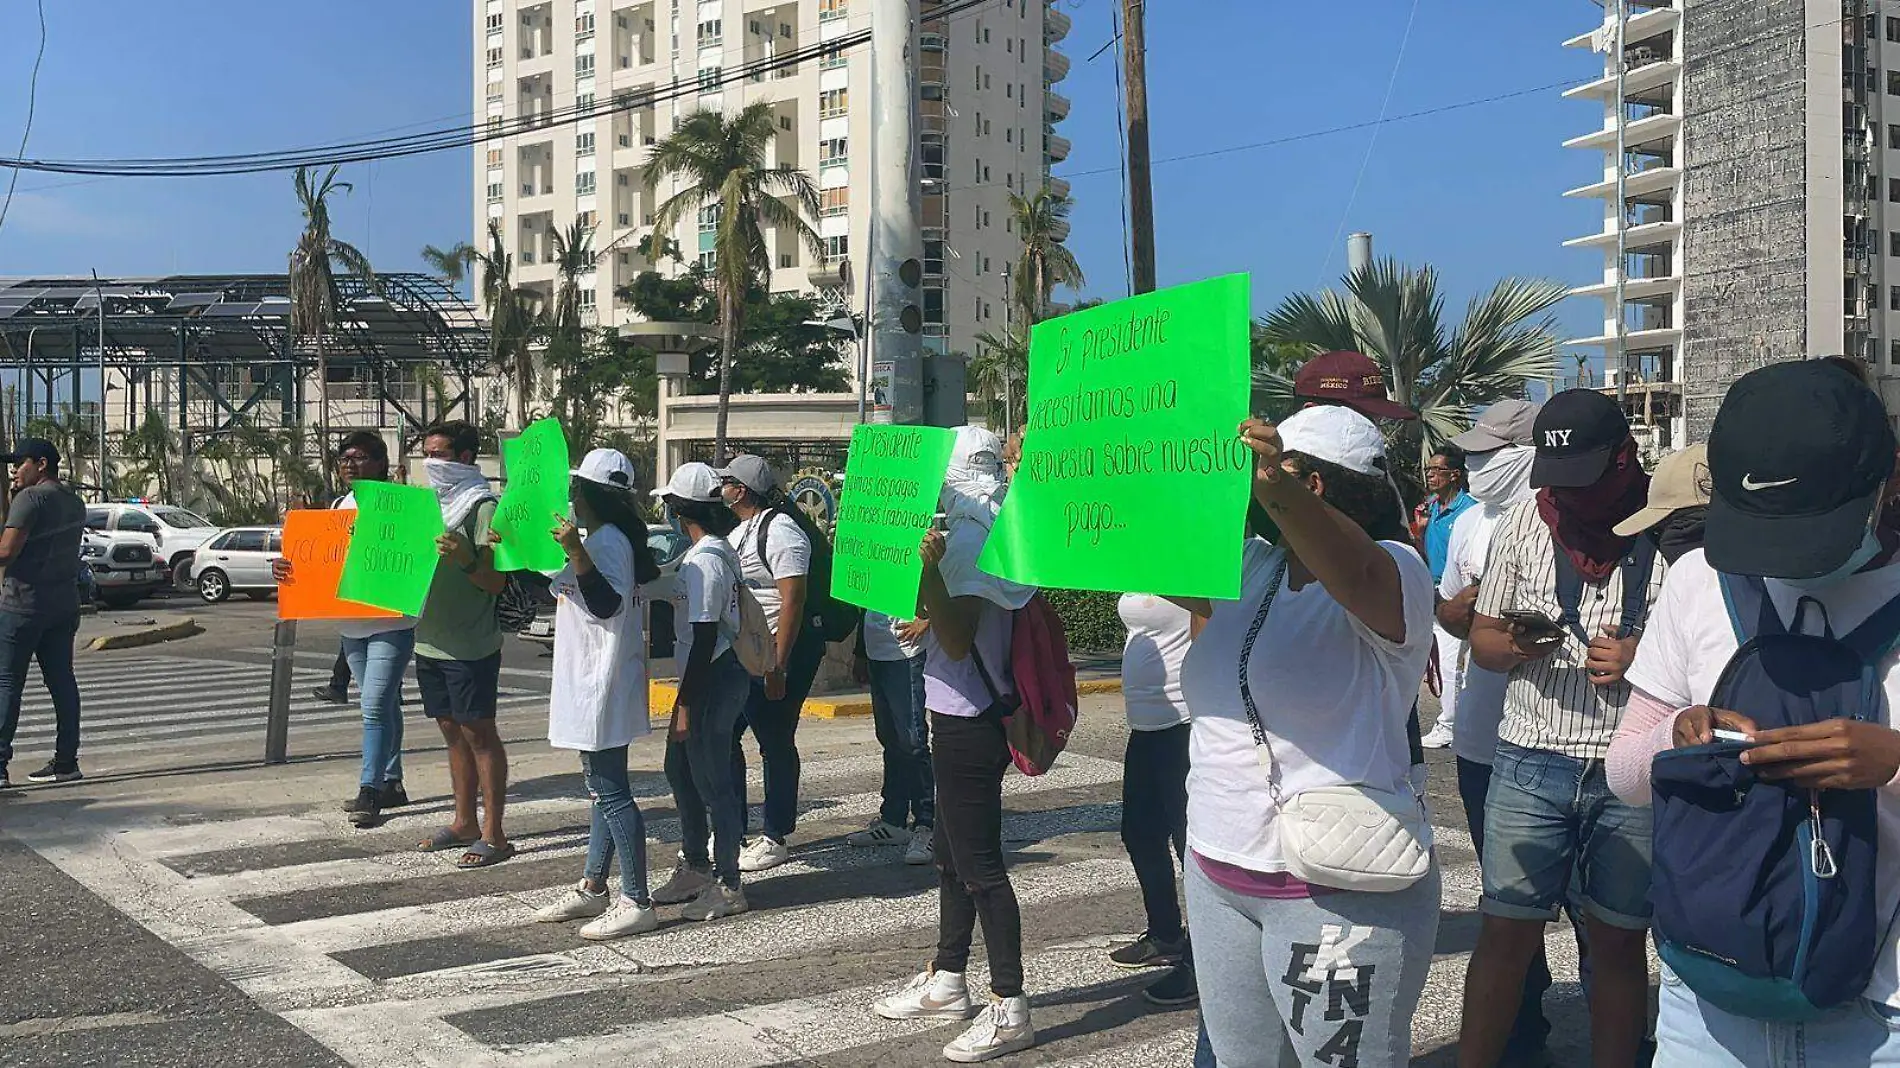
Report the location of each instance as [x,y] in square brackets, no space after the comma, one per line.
[524,374]
[728,349]
[323,408]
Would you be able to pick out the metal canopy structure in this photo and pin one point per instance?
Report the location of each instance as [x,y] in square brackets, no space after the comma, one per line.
[211,350]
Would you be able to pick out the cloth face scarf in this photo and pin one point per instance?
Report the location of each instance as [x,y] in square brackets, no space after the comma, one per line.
[1581,519]
[459,487]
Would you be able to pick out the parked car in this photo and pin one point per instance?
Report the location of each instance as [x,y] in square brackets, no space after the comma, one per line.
[125,566]
[669,546]
[237,561]
[178,532]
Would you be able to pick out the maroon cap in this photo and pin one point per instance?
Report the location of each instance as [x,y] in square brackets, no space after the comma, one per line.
[1349,379]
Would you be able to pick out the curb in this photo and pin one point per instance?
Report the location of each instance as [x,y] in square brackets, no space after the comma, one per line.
[662,692]
[165,632]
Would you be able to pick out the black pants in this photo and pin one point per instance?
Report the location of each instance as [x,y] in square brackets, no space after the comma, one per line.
[23,640]
[775,724]
[1530,1030]
[340,674]
[1154,815]
[969,757]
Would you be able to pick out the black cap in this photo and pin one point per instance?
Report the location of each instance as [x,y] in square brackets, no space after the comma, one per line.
[34,449]
[1797,457]
[1576,433]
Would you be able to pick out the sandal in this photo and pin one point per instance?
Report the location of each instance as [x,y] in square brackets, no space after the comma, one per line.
[444,839]
[481,854]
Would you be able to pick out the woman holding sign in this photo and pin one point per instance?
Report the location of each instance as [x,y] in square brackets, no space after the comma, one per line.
[1299,694]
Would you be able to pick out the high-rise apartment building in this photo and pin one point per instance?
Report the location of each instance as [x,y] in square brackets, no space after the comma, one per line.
[986,128]
[1759,213]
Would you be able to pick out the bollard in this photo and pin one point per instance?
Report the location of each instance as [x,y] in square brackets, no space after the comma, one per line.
[283,664]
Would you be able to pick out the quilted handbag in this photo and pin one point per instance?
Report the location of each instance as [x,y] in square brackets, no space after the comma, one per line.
[1351,836]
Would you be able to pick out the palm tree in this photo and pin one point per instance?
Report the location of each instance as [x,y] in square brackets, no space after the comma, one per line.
[510,318]
[574,256]
[721,166]
[1045,262]
[1394,314]
[998,374]
[313,290]
[450,264]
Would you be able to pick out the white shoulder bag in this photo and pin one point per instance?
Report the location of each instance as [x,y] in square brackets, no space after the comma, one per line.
[1349,837]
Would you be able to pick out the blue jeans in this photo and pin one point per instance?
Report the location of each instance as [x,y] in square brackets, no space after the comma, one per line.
[378,662]
[897,713]
[1204,1050]
[699,769]
[24,639]
[775,724]
[1551,819]
[1693,1034]
[618,826]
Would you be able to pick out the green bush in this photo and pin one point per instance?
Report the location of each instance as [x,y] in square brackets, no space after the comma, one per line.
[1090,619]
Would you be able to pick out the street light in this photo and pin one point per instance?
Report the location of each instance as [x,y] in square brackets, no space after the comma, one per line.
[851,326]
[673,346]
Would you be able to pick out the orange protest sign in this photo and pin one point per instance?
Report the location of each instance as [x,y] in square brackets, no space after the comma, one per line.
[315,543]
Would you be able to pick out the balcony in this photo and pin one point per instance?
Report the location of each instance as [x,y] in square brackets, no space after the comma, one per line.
[1653,180]
[1660,127]
[1055,25]
[1640,80]
[1634,237]
[1633,289]
[1057,186]
[1055,146]
[1660,19]
[1055,65]
[1058,106]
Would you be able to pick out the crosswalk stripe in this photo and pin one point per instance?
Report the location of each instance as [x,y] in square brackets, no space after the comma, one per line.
[330,658]
[232,720]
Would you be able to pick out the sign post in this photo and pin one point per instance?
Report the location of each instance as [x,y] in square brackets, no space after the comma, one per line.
[283,667]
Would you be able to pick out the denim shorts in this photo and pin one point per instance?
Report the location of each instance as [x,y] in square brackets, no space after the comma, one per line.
[1549,817]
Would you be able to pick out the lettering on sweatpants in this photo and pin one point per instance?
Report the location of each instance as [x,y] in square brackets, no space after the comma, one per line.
[1326,968]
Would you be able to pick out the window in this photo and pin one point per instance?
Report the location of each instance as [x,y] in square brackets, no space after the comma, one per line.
[584,65]
[711,33]
[933,304]
[784,29]
[930,91]
[1893,83]
[932,156]
[933,255]
[1893,28]
[833,103]
[1893,298]
[833,59]
[835,151]
[138,521]
[494,58]
[97,519]
[494,191]
[1893,351]
[586,219]
[709,219]
[584,103]
[494,23]
[785,123]
[837,248]
[583,182]
[786,259]
[588,298]
[1009,135]
[494,157]
[1893,244]
[1009,90]
[986,174]
[247,541]
[584,144]
[832,9]
[1893,135]
[1893,190]
[709,79]
[708,260]
[986,36]
[834,201]
[583,26]
[1009,46]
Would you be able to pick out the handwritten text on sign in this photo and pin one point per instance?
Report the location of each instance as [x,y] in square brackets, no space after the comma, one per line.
[316,543]
[392,557]
[1132,476]
[893,477]
[536,464]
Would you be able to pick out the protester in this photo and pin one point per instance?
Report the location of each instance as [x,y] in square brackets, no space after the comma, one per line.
[598,704]
[39,602]
[1800,461]
[712,694]
[775,556]
[378,651]
[1562,604]
[1445,478]
[1678,504]
[1154,787]
[1351,380]
[892,659]
[337,690]
[967,689]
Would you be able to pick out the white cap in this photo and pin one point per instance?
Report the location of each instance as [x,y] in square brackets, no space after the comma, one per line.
[691,482]
[1337,435]
[606,467]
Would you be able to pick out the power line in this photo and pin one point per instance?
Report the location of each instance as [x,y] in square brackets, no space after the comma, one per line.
[32,100]
[1372,142]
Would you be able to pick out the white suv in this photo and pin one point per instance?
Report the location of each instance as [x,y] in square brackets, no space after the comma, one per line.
[180,533]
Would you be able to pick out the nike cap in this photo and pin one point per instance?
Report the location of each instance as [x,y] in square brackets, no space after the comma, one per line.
[1797,458]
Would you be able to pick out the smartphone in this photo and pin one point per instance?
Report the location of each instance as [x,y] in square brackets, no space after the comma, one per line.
[1722,735]
[940,521]
[1536,623]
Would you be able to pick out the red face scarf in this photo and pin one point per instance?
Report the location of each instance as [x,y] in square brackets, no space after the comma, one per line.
[1580,519]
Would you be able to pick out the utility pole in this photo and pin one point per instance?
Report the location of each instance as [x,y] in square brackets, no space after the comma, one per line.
[1141,206]
[1009,371]
[1621,16]
[105,478]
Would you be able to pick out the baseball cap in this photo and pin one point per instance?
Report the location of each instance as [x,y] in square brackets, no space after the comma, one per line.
[1680,481]
[607,467]
[691,482]
[1577,432]
[750,471]
[1351,379]
[33,449]
[1508,422]
[1797,456]
[1337,435]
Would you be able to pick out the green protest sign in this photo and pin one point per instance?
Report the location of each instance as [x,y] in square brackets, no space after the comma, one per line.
[535,463]
[392,553]
[1133,477]
[891,481]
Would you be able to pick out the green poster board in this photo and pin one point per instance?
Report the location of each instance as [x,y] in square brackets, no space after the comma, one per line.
[892,479]
[392,553]
[1133,477]
[536,465]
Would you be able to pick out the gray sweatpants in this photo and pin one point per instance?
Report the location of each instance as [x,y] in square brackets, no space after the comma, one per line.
[1329,980]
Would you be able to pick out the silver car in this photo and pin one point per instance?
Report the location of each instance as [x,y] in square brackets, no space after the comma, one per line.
[668,546]
[237,561]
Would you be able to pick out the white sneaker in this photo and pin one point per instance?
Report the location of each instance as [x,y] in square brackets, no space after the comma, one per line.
[578,903]
[931,994]
[685,885]
[716,902]
[1439,738]
[763,853]
[923,849]
[1003,1029]
[878,834]
[627,917]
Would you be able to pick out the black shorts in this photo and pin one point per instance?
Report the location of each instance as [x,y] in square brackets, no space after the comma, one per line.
[461,690]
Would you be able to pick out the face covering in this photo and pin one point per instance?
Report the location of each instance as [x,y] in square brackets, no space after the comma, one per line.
[1581,519]
[972,484]
[1679,533]
[1501,478]
[1862,555]
[459,487]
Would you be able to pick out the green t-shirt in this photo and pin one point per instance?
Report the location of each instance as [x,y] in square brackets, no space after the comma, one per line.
[458,619]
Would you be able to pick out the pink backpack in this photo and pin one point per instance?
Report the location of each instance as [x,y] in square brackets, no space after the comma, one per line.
[1039,727]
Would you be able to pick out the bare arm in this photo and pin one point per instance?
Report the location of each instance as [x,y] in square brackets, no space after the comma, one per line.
[12,540]
[791,616]
[1500,646]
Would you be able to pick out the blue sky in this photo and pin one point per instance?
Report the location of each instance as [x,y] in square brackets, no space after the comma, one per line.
[1475,191]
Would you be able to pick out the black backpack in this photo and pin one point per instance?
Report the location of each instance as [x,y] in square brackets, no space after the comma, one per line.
[515,606]
[827,615]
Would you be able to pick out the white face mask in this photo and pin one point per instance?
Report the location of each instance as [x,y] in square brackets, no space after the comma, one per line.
[448,474]
[1501,477]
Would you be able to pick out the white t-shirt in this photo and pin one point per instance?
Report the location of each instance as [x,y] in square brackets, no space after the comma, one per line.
[599,696]
[1480,700]
[881,641]
[369,628]
[1158,640]
[956,687]
[1333,698]
[1690,640]
[708,592]
[788,555]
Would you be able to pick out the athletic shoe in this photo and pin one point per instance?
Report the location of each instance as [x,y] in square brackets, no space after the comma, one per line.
[1150,952]
[393,795]
[763,853]
[329,696]
[54,772]
[923,848]
[931,994]
[368,810]
[578,903]
[1173,989]
[717,901]
[627,917]
[1439,738]
[685,885]
[878,834]
[5,783]
[1003,1029]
